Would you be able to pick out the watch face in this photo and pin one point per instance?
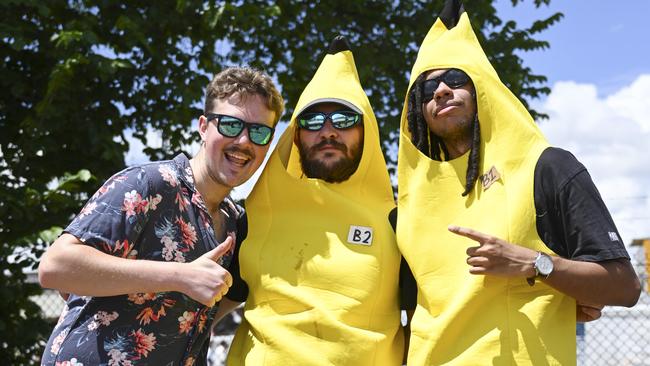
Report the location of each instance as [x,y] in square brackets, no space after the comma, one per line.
[544,265]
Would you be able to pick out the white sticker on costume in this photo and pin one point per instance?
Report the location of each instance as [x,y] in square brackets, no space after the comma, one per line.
[361,235]
[613,236]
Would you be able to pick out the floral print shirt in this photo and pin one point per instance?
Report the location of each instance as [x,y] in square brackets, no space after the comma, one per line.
[154,212]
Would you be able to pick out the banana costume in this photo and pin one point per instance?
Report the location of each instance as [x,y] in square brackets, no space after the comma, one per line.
[320,259]
[465,319]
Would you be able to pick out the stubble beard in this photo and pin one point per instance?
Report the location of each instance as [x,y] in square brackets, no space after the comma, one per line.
[461,128]
[220,177]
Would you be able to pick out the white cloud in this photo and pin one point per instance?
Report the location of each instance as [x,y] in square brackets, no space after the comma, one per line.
[611,137]
[634,102]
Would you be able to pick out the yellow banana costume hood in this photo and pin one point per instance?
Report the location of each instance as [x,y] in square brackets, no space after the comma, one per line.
[320,259]
[465,319]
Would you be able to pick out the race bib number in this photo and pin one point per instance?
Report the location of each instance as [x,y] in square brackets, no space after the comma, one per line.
[490,177]
[361,235]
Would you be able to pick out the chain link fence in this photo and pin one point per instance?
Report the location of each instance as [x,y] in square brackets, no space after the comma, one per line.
[621,337]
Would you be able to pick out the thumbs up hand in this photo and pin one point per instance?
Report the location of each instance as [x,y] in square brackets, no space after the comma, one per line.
[206,281]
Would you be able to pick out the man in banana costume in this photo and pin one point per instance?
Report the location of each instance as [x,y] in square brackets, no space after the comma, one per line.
[320,265]
[502,232]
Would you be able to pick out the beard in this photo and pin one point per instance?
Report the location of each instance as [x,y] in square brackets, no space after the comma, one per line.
[335,172]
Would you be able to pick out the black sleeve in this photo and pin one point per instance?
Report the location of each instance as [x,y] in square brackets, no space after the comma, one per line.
[572,218]
[407,286]
[239,290]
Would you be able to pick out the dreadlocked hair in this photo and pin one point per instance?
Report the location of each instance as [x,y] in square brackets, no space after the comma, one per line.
[430,144]
[416,123]
[474,157]
[423,139]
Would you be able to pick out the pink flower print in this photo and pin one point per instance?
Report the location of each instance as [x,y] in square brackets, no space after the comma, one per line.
[143,342]
[179,257]
[88,209]
[103,189]
[93,325]
[168,174]
[64,312]
[56,343]
[122,248]
[188,233]
[169,249]
[152,203]
[185,322]
[102,318]
[133,254]
[73,362]
[105,318]
[118,358]
[234,240]
[133,203]
[141,297]
[182,201]
[120,178]
[197,199]
[188,174]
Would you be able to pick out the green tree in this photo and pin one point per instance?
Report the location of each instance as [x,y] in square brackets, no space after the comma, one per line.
[77,74]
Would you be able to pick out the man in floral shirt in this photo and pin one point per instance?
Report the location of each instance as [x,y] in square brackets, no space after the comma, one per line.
[144,262]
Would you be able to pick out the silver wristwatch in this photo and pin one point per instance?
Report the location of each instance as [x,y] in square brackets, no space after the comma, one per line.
[543,265]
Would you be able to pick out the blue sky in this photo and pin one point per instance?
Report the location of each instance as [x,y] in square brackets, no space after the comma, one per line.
[598,67]
[606,43]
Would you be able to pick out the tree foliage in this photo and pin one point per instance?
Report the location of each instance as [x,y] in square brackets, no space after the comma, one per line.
[77,74]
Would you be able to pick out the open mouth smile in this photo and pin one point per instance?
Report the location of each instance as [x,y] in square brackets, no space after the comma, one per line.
[238,158]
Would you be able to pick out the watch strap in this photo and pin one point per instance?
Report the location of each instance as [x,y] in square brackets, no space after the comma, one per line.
[531,280]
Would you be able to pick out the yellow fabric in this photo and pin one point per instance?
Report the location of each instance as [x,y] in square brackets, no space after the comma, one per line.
[316,299]
[464,319]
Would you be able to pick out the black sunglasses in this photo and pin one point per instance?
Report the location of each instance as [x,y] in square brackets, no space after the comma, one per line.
[314,121]
[229,126]
[453,78]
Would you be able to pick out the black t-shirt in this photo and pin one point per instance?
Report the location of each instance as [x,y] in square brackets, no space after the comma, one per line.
[239,290]
[572,219]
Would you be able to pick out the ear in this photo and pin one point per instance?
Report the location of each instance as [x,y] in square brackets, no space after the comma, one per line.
[203,127]
[296,137]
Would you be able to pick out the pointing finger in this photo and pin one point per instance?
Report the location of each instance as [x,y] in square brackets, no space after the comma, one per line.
[470,233]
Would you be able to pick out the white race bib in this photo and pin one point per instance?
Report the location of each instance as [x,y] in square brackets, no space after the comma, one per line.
[361,235]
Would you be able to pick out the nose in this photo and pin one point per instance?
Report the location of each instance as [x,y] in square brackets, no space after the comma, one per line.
[243,137]
[443,91]
[328,130]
